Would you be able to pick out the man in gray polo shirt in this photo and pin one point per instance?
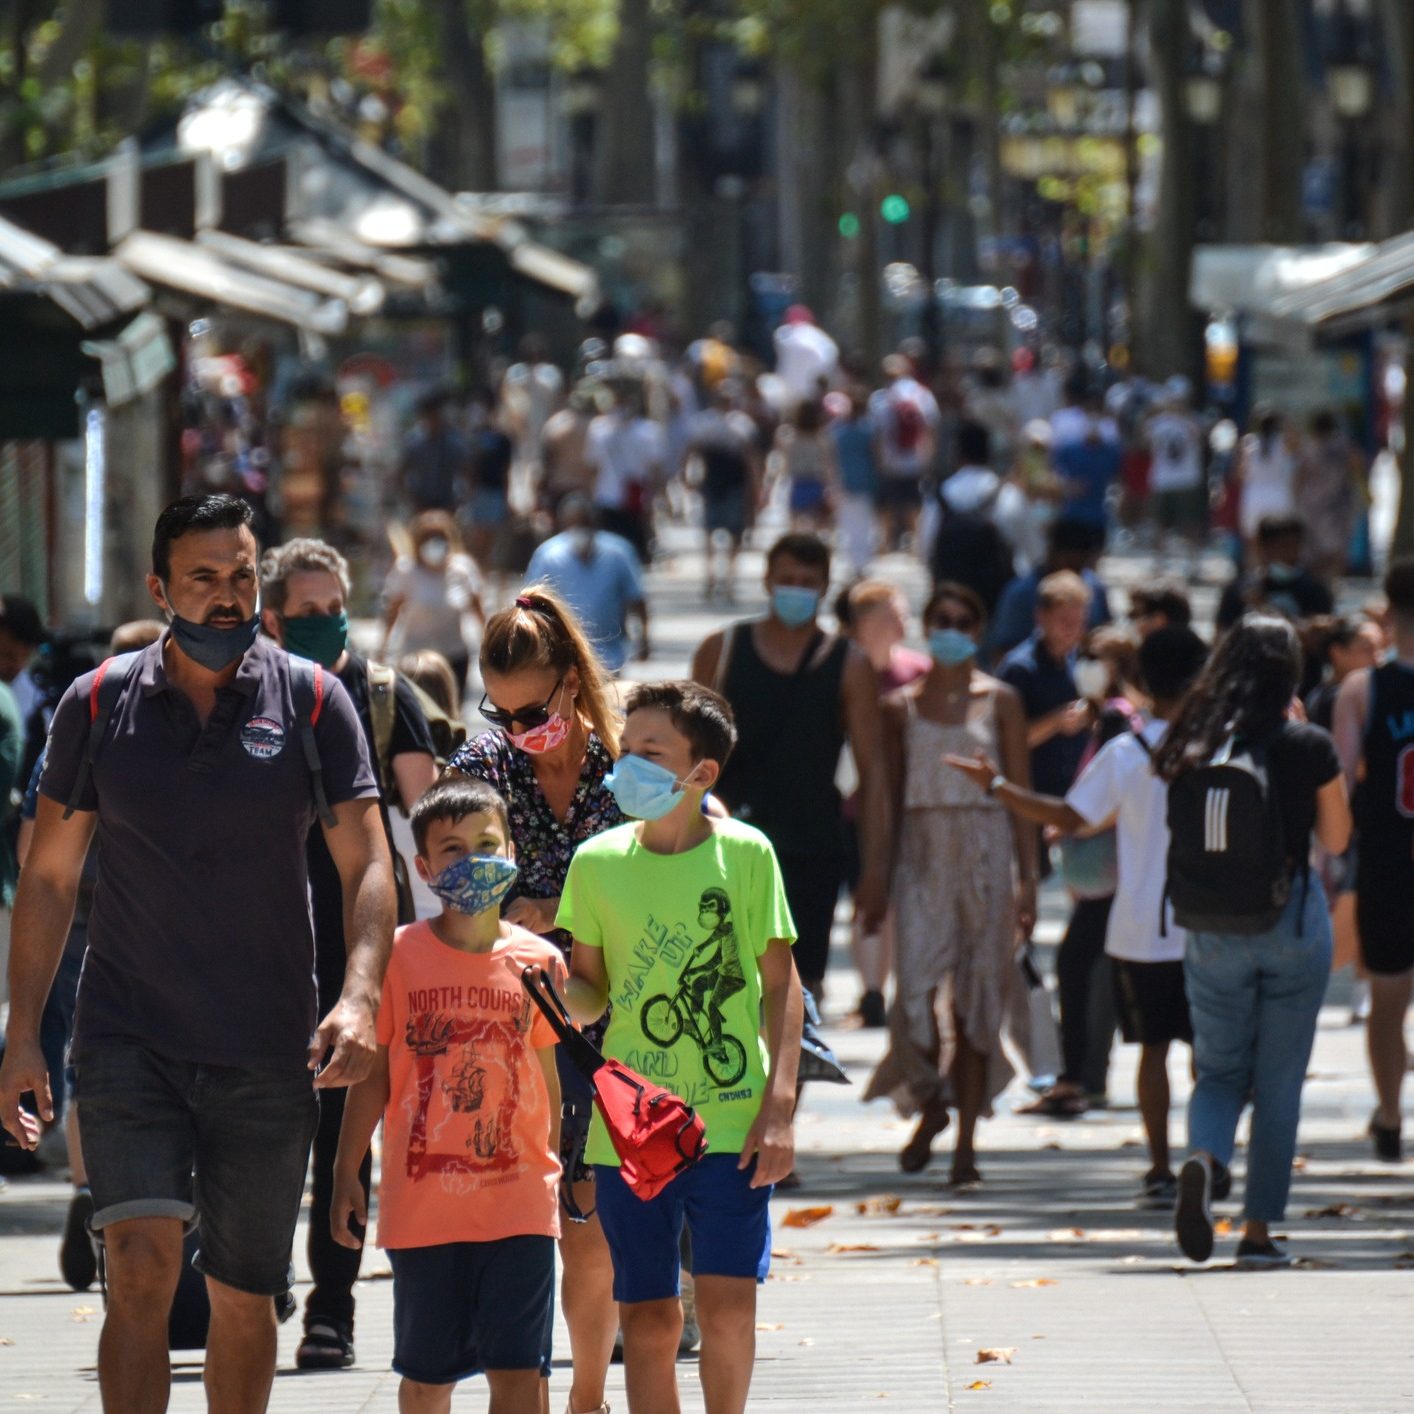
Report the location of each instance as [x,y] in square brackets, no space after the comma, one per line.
[195,1033]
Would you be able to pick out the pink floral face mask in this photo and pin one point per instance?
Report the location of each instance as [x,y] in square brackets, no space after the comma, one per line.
[546,737]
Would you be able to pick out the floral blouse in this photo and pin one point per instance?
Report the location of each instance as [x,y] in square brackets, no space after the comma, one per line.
[544,846]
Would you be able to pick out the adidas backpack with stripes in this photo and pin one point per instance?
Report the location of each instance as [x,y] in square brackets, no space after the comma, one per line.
[1229,868]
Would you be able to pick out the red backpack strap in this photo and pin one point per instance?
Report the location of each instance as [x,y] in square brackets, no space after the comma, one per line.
[318,695]
[100,710]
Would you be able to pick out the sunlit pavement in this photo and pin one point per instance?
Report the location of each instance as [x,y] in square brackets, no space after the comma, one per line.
[890,1298]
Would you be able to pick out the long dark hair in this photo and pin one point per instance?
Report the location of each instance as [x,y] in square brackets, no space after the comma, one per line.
[1244,691]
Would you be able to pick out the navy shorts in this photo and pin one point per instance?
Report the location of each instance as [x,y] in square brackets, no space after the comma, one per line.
[730,1223]
[462,1308]
[222,1148]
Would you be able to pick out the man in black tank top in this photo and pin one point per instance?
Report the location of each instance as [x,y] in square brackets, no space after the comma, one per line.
[1374,734]
[798,694]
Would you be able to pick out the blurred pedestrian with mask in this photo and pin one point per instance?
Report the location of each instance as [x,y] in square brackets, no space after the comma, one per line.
[723,441]
[977,514]
[907,422]
[625,450]
[1248,788]
[196,1031]
[436,462]
[804,458]
[304,590]
[1087,465]
[789,681]
[957,927]
[1278,581]
[564,469]
[1266,474]
[429,594]
[807,358]
[598,576]
[1177,474]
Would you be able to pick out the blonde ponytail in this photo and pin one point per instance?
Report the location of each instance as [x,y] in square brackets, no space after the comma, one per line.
[541,631]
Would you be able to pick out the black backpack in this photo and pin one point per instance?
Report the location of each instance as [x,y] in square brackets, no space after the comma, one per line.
[1229,865]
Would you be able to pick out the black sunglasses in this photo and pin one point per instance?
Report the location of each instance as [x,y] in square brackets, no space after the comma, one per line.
[528,717]
[964,623]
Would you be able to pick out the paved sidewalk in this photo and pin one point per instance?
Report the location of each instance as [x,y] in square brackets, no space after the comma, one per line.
[1049,1261]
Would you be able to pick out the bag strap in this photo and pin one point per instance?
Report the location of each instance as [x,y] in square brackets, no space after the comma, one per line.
[100,712]
[541,990]
[382,712]
[304,671]
[724,659]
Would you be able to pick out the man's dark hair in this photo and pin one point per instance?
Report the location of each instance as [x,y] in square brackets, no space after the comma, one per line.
[974,444]
[1068,536]
[1399,587]
[1167,597]
[1170,660]
[802,547]
[189,515]
[702,716]
[453,798]
[20,619]
[1274,528]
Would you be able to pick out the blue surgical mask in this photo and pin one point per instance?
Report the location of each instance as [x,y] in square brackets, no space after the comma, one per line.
[793,606]
[475,882]
[214,648]
[950,646]
[644,789]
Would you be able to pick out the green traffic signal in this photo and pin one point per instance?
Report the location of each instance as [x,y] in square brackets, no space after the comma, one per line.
[849,225]
[894,208]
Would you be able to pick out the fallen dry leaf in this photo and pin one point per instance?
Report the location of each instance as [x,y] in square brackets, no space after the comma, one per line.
[1223,1227]
[978,1281]
[807,1217]
[924,1262]
[980,1384]
[1333,1210]
[1034,1282]
[886,1206]
[1315,1264]
[1300,1163]
[5,1340]
[770,1325]
[1405,1261]
[1052,1145]
[851,1247]
[806,1341]
[1066,1234]
[783,1254]
[996,1354]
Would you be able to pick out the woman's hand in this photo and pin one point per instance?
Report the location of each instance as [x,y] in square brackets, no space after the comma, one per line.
[536,915]
[1026,908]
[980,769]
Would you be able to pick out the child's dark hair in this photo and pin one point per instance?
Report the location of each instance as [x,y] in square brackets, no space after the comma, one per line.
[453,798]
[703,717]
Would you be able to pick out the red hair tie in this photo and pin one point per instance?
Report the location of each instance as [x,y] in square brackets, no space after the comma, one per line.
[523,603]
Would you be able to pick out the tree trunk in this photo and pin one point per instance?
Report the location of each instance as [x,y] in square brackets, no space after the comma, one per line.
[1276,32]
[463,156]
[1166,339]
[1394,203]
[624,161]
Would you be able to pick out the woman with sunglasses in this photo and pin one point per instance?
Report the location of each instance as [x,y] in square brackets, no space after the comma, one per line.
[555,739]
[964,884]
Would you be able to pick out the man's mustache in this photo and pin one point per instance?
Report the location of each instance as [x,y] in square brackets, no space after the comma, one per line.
[225,613]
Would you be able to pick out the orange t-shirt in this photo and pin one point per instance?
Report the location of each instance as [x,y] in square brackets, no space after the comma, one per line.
[466,1133]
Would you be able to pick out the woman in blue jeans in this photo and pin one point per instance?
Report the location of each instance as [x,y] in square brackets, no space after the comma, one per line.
[1254,997]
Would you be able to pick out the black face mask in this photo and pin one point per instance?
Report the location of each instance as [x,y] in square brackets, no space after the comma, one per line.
[214,648]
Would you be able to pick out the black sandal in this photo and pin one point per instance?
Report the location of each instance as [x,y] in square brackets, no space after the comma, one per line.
[917,1154]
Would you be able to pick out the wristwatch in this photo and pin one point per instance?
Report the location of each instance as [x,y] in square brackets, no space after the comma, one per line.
[995,784]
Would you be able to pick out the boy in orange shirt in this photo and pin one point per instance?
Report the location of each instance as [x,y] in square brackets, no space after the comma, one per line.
[466,1086]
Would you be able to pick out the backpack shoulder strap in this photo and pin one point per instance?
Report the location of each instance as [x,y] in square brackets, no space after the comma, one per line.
[104,693]
[382,712]
[307,682]
[724,659]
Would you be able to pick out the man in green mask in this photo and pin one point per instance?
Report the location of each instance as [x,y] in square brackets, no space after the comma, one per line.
[304,589]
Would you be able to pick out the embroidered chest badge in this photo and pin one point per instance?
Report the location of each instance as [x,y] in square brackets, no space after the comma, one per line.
[263,738]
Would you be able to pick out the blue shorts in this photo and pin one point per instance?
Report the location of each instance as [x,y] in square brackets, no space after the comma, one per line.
[462,1308]
[730,1223]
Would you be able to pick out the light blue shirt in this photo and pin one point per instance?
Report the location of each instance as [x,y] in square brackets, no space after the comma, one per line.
[599,589]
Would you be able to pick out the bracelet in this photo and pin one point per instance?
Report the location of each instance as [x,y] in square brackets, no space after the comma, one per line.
[995,784]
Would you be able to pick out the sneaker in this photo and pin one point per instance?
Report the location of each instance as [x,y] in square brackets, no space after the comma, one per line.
[1261,1256]
[1222,1181]
[78,1263]
[1192,1219]
[326,1346]
[1389,1146]
[1160,1190]
[872,1012]
[691,1336]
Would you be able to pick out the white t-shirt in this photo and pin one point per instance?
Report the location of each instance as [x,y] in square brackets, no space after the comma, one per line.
[621,451]
[922,420]
[1120,784]
[434,605]
[1176,442]
[805,354]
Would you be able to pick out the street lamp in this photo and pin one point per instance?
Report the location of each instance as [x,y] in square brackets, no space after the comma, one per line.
[1352,86]
[1203,90]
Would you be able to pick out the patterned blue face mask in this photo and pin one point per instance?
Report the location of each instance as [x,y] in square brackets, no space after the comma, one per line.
[475,882]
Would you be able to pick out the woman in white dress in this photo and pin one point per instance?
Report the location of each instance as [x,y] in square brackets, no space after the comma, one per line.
[1266,473]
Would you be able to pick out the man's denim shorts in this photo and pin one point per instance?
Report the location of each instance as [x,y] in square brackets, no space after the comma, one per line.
[224,1149]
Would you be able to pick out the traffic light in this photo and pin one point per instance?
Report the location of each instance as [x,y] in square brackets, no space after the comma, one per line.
[849,225]
[895,208]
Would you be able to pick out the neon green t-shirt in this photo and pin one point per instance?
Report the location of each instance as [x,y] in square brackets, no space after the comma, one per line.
[682,936]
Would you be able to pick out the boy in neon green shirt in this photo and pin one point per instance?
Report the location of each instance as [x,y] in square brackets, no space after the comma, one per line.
[681,922]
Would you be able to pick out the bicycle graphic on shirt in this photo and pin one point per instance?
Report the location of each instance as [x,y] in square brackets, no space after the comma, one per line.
[713,974]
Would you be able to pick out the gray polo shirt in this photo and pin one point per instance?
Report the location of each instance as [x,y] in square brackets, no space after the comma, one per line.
[200,940]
